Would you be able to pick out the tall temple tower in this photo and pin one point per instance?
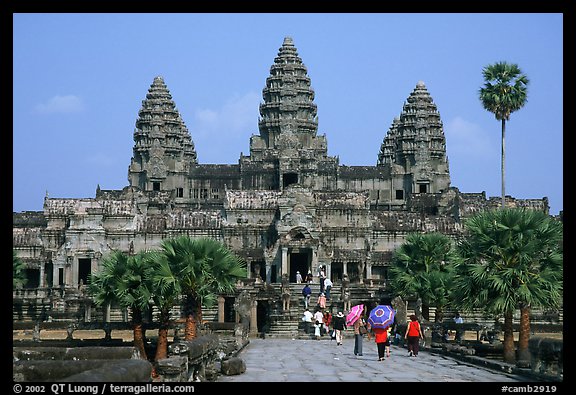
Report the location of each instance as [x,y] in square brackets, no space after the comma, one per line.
[288,151]
[163,149]
[415,146]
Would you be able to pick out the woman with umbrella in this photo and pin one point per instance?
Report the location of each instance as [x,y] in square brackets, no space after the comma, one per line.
[355,318]
[380,319]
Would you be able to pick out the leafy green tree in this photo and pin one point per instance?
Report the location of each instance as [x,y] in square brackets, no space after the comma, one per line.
[504,91]
[511,259]
[125,280]
[205,268]
[18,275]
[422,267]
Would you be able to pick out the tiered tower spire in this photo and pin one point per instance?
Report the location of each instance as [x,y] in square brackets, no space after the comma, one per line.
[288,105]
[162,143]
[418,133]
[416,142]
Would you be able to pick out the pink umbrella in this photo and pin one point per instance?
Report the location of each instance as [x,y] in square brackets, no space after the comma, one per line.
[354,314]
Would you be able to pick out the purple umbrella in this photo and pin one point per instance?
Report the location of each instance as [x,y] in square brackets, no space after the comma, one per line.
[354,314]
[381,316]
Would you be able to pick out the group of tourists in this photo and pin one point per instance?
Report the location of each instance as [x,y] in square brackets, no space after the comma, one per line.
[334,326]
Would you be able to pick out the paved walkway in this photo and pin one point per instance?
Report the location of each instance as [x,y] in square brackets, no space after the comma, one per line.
[286,360]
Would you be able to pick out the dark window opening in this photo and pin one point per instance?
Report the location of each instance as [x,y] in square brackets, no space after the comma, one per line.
[48,269]
[289,179]
[215,193]
[32,278]
[422,188]
[229,311]
[155,186]
[399,194]
[179,192]
[84,269]
[61,276]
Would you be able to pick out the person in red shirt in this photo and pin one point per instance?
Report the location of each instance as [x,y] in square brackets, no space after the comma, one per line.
[381,338]
[413,335]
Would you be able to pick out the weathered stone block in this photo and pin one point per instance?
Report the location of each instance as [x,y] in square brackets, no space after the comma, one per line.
[233,366]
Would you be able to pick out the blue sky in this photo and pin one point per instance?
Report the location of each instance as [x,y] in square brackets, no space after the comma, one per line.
[79,81]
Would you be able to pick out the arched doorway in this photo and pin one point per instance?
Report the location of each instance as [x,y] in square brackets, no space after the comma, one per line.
[300,260]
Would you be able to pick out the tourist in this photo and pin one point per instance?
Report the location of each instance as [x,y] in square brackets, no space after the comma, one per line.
[317,326]
[319,316]
[306,292]
[327,322]
[387,343]
[322,300]
[327,288]
[309,277]
[322,277]
[458,320]
[359,331]
[339,326]
[413,335]
[381,339]
[307,318]
[298,277]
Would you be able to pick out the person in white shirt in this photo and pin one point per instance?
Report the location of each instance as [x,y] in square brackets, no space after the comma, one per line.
[327,288]
[307,318]
[319,316]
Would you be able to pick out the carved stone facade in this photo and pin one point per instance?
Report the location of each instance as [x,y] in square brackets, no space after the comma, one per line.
[288,206]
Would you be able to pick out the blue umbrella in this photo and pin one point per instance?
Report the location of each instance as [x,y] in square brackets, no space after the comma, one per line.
[381,316]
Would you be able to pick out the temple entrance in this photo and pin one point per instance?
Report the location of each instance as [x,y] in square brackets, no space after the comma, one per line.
[299,261]
[84,269]
[263,316]
[336,271]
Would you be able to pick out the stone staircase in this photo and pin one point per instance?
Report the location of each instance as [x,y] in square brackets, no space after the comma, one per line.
[288,324]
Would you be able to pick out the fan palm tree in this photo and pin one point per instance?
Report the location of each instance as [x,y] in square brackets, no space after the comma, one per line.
[125,280]
[166,295]
[512,259]
[423,267]
[205,268]
[504,91]
[18,275]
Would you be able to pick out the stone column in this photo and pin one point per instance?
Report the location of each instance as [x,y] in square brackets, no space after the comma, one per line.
[254,318]
[284,261]
[42,282]
[344,268]
[315,261]
[368,270]
[221,308]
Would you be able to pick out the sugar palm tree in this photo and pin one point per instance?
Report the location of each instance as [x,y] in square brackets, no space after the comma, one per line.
[18,276]
[205,268]
[423,267]
[512,259]
[125,280]
[504,91]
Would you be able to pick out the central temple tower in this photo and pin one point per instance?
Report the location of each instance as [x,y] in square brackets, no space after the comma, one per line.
[288,151]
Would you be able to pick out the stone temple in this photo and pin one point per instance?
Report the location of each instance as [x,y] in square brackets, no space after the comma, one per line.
[287,206]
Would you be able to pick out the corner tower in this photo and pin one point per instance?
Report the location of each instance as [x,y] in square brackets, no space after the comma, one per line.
[163,149]
[415,146]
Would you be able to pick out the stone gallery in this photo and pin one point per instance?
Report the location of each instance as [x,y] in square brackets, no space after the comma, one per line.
[287,207]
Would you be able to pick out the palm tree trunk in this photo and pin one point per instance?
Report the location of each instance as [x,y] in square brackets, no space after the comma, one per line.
[503,161]
[162,345]
[524,337]
[190,308]
[509,349]
[138,332]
